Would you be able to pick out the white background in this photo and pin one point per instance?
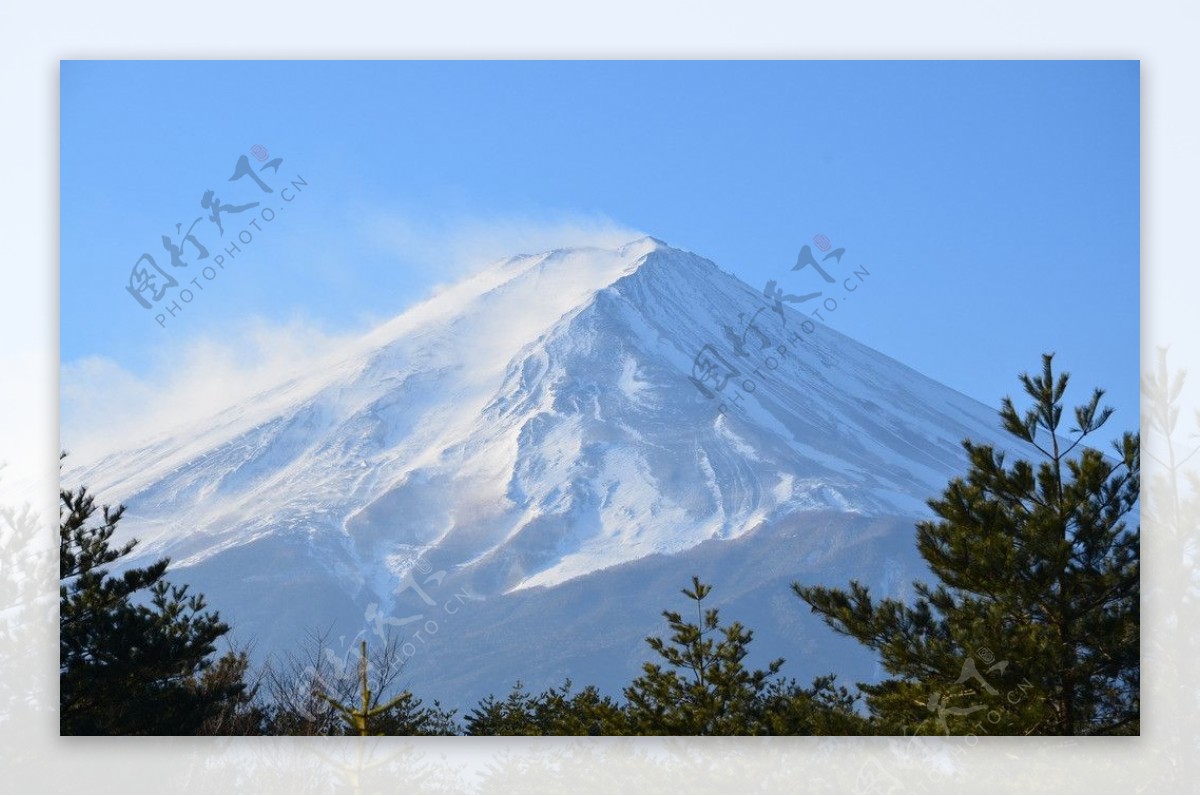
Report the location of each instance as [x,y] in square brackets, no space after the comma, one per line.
[34,36]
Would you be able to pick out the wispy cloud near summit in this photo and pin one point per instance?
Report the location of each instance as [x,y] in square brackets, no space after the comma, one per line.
[454,247]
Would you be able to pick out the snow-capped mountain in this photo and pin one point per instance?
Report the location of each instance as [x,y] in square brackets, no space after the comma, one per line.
[558,429]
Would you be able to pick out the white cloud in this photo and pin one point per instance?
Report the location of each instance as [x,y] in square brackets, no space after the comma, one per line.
[106,407]
[461,245]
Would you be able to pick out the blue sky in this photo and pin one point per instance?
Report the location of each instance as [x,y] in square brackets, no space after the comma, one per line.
[996,204]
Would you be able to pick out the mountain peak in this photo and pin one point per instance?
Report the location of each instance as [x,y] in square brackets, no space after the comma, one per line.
[534,423]
[547,420]
[643,245]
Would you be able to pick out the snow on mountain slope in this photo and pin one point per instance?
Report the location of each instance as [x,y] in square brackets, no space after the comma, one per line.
[535,423]
[331,434]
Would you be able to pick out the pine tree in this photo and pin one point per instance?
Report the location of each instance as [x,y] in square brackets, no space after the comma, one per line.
[1033,625]
[556,711]
[824,708]
[315,691]
[401,715]
[129,667]
[358,718]
[706,690]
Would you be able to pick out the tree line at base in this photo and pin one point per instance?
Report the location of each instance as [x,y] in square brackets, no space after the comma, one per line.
[1034,561]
